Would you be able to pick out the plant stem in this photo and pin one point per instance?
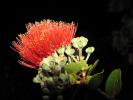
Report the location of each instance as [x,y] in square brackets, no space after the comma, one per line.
[74,59]
[106,95]
[80,54]
[88,55]
[77,58]
[69,59]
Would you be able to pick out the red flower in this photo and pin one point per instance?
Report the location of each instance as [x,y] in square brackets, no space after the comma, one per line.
[41,40]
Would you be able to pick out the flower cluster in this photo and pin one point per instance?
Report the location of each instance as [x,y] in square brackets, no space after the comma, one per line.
[64,63]
[52,48]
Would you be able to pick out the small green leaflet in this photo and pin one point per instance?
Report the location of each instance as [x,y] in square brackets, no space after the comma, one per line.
[76,67]
[96,80]
[72,79]
[93,67]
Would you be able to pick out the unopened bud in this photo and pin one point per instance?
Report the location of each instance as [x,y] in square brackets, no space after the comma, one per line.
[79,42]
[69,51]
[90,50]
[47,60]
[36,79]
[61,50]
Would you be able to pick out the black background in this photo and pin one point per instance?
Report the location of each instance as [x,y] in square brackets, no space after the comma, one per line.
[94,22]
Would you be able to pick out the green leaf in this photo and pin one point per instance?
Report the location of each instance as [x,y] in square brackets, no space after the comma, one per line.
[84,64]
[88,69]
[113,83]
[72,79]
[88,78]
[95,63]
[96,80]
[76,67]
[93,67]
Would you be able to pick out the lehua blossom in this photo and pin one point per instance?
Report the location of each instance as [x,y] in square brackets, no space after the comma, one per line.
[41,40]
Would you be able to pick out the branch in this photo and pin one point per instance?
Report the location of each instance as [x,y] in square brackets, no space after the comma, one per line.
[106,95]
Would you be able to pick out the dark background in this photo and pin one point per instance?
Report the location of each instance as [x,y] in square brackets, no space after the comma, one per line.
[97,21]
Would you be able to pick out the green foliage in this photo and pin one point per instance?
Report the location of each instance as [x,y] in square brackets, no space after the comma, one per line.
[76,67]
[93,67]
[113,83]
[88,78]
[96,80]
[90,66]
[72,78]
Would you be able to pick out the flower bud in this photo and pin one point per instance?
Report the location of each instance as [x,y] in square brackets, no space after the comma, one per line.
[61,50]
[44,79]
[69,50]
[90,50]
[45,67]
[84,41]
[47,60]
[50,80]
[57,68]
[79,42]
[36,79]
[55,55]
[63,77]
[75,42]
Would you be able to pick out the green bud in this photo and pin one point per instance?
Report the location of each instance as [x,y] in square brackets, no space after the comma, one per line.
[40,70]
[47,63]
[54,55]
[50,80]
[36,79]
[45,67]
[47,60]
[61,50]
[90,50]
[57,67]
[60,60]
[63,77]
[84,41]
[75,42]
[69,50]
[63,61]
[79,42]
[44,79]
